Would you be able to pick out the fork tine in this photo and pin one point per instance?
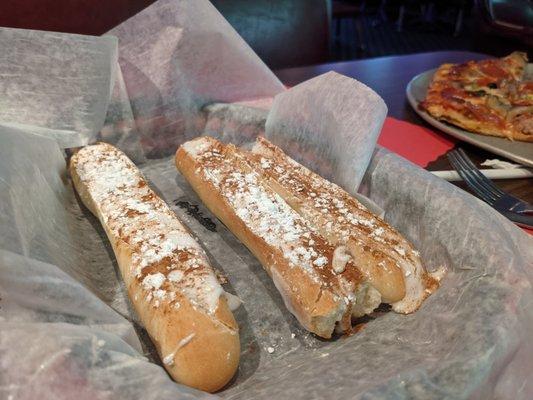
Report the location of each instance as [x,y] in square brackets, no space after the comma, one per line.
[488,183]
[470,168]
[469,179]
[463,173]
[474,183]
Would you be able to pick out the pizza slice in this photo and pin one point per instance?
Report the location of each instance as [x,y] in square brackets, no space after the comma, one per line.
[488,97]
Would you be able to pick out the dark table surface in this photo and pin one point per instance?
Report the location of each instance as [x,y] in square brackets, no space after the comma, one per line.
[389,77]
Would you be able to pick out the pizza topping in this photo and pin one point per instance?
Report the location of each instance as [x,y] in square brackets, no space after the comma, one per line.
[524,123]
[484,114]
[457,70]
[491,69]
[478,93]
[497,105]
[459,95]
[520,111]
[521,94]
[451,93]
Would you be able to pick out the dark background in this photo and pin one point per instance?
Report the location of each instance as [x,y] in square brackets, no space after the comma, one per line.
[288,33]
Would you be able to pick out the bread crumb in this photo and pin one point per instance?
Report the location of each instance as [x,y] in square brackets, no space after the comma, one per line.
[341,256]
[270,349]
[293,335]
[222,279]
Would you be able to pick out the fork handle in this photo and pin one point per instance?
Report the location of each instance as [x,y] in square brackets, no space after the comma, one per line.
[525,221]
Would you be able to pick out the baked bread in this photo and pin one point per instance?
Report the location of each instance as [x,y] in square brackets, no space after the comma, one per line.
[384,257]
[167,274]
[319,257]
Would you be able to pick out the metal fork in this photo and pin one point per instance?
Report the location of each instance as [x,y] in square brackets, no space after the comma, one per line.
[518,211]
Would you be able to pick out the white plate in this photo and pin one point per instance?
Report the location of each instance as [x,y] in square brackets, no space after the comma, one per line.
[521,152]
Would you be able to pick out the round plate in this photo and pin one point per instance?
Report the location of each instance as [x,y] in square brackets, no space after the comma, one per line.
[521,152]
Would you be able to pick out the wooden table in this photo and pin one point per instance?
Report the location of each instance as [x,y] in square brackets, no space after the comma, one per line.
[389,76]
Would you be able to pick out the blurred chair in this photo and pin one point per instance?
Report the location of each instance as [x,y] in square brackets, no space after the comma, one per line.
[284,33]
[510,18]
[462,6]
[88,17]
[426,13]
[458,9]
[422,14]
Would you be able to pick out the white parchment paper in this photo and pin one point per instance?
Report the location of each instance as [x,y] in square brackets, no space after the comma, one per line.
[176,57]
[330,123]
[66,326]
[56,85]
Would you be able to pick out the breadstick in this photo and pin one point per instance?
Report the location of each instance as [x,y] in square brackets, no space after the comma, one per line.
[386,259]
[167,274]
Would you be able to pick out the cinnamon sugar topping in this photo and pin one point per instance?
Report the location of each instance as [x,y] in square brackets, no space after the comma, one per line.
[166,259]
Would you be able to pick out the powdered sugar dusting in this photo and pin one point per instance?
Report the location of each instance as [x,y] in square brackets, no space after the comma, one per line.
[167,261]
[175,275]
[273,220]
[341,257]
[270,218]
[195,147]
[265,213]
[347,219]
[345,214]
[153,281]
[320,262]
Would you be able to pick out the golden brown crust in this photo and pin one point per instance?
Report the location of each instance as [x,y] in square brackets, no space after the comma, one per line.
[315,199]
[316,306]
[488,97]
[383,256]
[195,334]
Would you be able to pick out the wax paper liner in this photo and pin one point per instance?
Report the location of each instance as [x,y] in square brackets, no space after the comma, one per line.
[176,57]
[330,123]
[56,85]
[470,333]
[62,335]
[67,328]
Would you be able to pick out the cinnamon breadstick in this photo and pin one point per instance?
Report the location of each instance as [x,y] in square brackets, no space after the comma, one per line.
[167,274]
[386,259]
